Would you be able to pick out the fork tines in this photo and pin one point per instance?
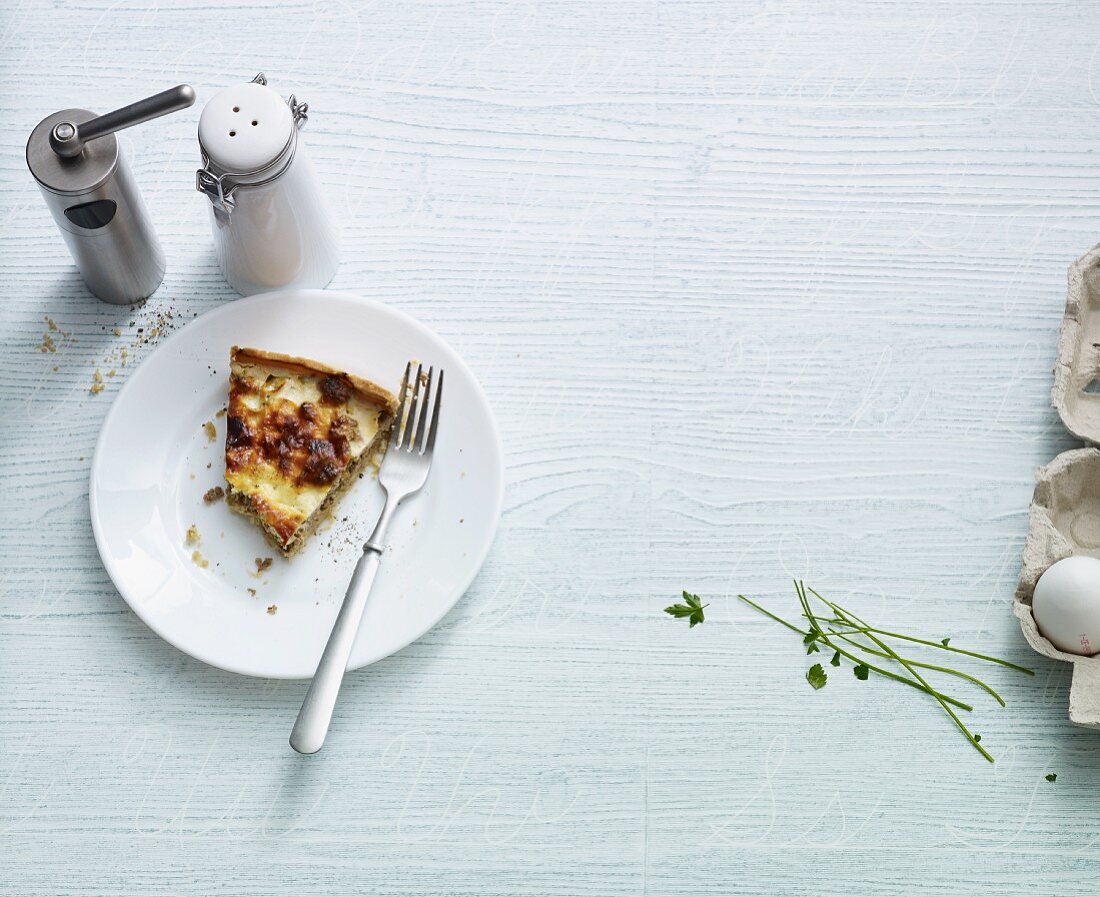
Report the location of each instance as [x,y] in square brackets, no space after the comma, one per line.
[414,428]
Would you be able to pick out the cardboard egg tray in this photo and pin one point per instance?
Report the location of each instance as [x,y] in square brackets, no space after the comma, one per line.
[1065,509]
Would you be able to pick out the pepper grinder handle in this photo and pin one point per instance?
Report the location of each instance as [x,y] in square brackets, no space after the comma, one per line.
[68,139]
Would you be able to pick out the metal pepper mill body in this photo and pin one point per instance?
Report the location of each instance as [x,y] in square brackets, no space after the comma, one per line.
[94,199]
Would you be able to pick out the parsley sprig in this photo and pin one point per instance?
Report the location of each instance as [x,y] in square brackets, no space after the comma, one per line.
[692,609]
[845,633]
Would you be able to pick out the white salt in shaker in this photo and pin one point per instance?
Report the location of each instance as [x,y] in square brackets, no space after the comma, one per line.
[271,226]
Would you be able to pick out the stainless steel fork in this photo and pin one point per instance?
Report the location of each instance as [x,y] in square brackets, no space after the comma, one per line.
[404,471]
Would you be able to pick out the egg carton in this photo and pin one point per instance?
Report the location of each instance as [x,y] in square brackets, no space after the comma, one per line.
[1065,510]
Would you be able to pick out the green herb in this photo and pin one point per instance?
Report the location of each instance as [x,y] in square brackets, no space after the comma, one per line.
[875,669]
[693,609]
[920,641]
[1051,777]
[851,637]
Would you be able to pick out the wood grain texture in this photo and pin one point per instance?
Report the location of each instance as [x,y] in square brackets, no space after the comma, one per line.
[756,290]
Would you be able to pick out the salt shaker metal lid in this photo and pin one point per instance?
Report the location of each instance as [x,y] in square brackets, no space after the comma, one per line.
[83,176]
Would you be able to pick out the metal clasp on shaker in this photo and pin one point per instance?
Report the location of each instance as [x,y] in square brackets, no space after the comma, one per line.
[211,184]
[298,110]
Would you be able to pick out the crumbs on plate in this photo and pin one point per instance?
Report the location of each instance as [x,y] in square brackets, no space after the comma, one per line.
[273,609]
[214,494]
[193,535]
[199,560]
[211,430]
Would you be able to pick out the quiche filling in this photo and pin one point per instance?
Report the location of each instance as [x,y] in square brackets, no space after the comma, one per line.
[297,433]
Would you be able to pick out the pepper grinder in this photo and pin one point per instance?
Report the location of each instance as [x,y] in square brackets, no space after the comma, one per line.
[94,199]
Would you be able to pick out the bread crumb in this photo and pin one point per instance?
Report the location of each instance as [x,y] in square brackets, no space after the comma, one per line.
[193,535]
[97,383]
[263,564]
[52,324]
[273,609]
[199,560]
[211,432]
[213,494]
[252,592]
[221,412]
[56,368]
[47,344]
[118,332]
[111,372]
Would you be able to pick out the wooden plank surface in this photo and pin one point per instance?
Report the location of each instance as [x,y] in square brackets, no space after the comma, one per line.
[757,291]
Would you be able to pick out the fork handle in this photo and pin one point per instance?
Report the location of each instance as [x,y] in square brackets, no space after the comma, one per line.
[313,719]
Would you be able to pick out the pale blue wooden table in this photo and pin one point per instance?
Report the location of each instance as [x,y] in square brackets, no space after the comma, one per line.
[756,290]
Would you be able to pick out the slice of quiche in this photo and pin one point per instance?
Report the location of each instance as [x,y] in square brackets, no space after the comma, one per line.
[297,434]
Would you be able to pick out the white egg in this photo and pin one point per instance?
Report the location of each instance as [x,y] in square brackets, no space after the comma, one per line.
[1066,605]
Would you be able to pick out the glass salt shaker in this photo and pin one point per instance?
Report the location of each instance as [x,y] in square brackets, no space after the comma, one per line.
[272,229]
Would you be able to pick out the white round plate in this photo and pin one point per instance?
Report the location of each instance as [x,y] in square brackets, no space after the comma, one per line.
[154,460]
